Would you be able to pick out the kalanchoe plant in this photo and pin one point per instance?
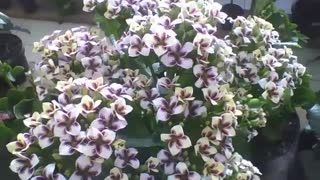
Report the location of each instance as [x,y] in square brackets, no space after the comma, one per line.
[161,98]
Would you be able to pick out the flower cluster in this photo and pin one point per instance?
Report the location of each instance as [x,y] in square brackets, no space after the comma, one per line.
[163,100]
[77,52]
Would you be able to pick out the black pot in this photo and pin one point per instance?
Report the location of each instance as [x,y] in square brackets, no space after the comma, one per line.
[29,6]
[12,52]
[5,4]
[278,160]
[233,11]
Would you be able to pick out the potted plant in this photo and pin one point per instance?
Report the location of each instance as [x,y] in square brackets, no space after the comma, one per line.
[159,97]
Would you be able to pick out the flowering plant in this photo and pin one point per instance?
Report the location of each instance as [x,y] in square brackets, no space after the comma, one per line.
[161,97]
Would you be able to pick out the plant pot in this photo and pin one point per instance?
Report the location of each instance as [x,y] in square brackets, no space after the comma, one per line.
[5,4]
[29,6]
[233,10]
[12,52]
[278,160]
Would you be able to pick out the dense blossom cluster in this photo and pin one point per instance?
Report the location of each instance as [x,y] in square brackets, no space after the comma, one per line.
[90,96]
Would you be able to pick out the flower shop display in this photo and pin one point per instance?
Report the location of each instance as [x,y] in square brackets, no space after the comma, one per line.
[156,95]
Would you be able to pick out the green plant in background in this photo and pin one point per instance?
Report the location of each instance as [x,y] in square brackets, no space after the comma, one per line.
[15,101]
[65,7]
[304,96]
[267,10]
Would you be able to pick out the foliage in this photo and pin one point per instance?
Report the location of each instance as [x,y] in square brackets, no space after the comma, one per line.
[14,102]
[281,21]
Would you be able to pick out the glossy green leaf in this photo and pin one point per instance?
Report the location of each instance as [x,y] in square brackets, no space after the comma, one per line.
[17,70]
[5,133]
[15,96]
[23,107]
[4,105]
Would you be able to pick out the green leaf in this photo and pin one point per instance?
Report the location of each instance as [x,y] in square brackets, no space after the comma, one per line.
[17,70]
[23,107]
[255,103]
[109,26]
[258,5]
[14,97]
[4,105]
[5,133]
[141,142]
[10,77]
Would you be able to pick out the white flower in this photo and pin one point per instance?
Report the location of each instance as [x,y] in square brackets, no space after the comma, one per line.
[249,72]
[97,143]
[147,96]
[203,42]
[24,166]
[89,5]
[273,92]
[126,157]
[48,109]
[194,108]
[66,123]
[137,47]
[107,119]
[146,176]
[48,173]
[153,164]
[204,148]
[93,66]
[21,145]
[120,108]
[159,42]
[206,75]
[164,23]
[184,94]
[95,84]
[213,9]
[176,140]
[223,125]
[212,94]
[167,108]
[182,173]
[85,168]
[115,91]
[177,55]
[214,169]
[117,174]
[271,62]
[33,121]
[169,161]
[69,143]
[88,105]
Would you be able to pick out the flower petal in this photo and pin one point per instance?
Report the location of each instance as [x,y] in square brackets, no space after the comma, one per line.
[104,151]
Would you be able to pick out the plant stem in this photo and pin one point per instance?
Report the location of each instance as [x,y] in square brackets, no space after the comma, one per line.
[253,5]
[153,74]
